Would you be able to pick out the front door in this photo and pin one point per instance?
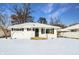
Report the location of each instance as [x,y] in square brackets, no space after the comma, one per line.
[36,32]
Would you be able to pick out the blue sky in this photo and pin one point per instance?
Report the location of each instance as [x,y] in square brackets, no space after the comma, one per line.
[67,12]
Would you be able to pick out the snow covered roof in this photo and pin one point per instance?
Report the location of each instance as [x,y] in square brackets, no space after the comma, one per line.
[76,26]
[62,30]
[33,25]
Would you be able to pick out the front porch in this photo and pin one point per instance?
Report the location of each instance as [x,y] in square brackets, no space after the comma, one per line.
[44,33]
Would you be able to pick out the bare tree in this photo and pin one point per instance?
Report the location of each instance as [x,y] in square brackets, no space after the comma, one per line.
[51,21]
[2,24]
[22,13]
[56,22]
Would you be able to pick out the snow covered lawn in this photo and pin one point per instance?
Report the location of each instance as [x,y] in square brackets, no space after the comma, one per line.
[50,46]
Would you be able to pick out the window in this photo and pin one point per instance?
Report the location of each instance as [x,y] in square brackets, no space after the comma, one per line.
[47,31]
[52,31]
[17,29]
[33,29]
[28,29]
[22,29]
[42,31]
[74,30]
[12,29]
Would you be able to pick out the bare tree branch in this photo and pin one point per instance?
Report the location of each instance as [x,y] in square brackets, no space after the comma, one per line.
[22,13]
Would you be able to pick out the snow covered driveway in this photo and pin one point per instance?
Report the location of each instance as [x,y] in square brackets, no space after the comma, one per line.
[33,47]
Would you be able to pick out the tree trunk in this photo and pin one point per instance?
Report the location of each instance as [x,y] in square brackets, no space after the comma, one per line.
[5,33]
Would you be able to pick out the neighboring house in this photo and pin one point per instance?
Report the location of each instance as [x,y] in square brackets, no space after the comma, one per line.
[71,31]
[30,30]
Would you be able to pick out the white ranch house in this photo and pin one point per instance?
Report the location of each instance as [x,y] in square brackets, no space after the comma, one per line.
[29,30]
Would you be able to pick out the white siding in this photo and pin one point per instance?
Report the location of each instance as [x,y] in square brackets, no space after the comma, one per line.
[53,35]
[70,34]
[42,35]
[48,35]
[22,34]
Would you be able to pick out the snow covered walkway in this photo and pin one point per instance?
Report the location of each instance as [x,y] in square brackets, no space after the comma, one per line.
[39,47]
